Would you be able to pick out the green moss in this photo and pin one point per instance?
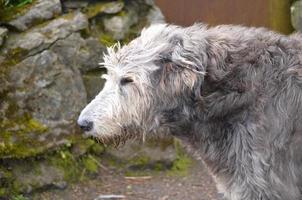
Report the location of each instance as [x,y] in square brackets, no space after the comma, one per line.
[139,160]
[3,192]
[68,16]
[180,166]
[34,125]
[18,138]
[19,197]
[107,39]
[74,168]
[182,163]
[97,149]
[68,164]
[15,56]
[90,164]
[84,145]
[94,9]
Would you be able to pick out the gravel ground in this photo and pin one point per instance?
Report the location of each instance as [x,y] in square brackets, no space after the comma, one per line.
[197,185]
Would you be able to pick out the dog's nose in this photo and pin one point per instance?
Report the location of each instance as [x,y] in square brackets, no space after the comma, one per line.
[85,125]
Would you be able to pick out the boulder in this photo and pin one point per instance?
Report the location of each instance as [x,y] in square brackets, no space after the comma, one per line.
[135,16]
[119,26]
[155,16]
[40,11]
[84,54]
[41,105]
[97,8]
[93,83]
[36,175]
[42,88]
[37,39]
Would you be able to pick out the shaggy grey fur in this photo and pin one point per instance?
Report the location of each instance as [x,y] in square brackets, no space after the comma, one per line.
[232,94]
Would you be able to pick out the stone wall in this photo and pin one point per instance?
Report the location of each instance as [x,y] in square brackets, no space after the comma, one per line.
[49,66]
[49,55]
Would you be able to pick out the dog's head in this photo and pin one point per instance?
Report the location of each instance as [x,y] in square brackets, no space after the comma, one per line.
[149,83]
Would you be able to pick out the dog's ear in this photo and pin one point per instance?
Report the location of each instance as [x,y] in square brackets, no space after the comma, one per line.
[187,53]
[183,66]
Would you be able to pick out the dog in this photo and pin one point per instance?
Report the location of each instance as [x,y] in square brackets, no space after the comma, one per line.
[232,94]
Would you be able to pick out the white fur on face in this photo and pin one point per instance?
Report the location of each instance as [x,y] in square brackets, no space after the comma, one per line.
[122,108]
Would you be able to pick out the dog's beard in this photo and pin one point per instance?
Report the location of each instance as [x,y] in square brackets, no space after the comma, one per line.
[116,139]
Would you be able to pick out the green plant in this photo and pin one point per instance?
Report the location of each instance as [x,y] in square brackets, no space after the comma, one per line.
[15,3]
[19,197]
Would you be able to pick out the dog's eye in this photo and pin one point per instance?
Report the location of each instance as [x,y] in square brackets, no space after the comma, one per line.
[126,80]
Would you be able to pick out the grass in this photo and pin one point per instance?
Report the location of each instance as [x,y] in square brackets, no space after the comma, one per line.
[15,3]
[12,8]
[19,197]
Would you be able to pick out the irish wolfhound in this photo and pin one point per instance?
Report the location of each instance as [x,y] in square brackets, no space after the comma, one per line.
[232,94]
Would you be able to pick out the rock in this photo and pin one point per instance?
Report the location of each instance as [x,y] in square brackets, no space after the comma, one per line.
[47,97]
[155,16]
[3,34]
[85,54]
[296,15]
[53,92]
[95,9]
[38,39]
[119,26]
[113,7]
[38,175]
[41,11]
[59,185]
[74,4]
[134,17]
[149,2]
[91,61]
[93,83]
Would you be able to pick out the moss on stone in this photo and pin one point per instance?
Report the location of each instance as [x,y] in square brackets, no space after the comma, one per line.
[94,9]
[68,164]
[73,168]
[107,39]
[17,138]
[90,164]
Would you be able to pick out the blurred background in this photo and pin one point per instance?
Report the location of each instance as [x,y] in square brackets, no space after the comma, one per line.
[49,55]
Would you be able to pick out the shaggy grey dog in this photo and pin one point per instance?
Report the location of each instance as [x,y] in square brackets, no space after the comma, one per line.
[232,94]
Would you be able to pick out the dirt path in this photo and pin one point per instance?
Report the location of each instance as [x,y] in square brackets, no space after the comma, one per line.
[197,185]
